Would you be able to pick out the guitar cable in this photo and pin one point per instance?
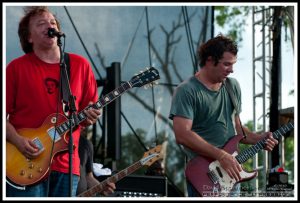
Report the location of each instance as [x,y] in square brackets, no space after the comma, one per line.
[53,142]
[15,186]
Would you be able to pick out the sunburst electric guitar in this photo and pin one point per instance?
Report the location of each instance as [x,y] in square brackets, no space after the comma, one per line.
[23,171]
[210,179]
[148,159]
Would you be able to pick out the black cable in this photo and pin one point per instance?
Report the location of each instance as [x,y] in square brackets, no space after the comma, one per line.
[191,39]
[137,137]
[189,36]
[148,37]
[96,149]
[150,62]
[95,67]
[131,42]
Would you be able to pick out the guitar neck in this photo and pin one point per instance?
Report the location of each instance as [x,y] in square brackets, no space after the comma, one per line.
[103,101]
[113,179]
[149,158]
[251,151]
[139,80]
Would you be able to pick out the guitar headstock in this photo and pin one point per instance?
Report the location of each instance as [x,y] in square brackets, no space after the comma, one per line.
[152,155]
[145,77]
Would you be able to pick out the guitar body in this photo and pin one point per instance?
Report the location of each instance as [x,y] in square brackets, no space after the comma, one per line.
[23,171]
[209,178]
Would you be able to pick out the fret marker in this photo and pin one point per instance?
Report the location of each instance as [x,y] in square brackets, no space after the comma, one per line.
[106,99]
[116,93]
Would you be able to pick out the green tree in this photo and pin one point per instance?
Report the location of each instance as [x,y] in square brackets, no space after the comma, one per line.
[132,150]
[289,156]
[233,18]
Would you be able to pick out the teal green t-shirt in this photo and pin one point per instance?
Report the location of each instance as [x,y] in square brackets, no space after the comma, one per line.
[212,112]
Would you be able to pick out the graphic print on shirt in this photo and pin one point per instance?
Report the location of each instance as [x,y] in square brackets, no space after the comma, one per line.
[51,85]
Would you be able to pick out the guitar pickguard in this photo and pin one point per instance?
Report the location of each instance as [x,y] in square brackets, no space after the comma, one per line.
[225,182]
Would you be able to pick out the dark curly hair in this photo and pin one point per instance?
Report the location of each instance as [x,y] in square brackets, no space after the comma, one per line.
[23,30]
[215,48]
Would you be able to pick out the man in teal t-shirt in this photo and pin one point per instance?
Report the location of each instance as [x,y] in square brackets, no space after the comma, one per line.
[204,118]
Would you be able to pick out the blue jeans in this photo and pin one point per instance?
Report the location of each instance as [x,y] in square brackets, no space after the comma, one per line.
[192,192]
[58,187]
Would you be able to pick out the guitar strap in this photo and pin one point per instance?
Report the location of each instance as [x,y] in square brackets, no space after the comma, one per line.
[229,89]
[64,81]
[64,89]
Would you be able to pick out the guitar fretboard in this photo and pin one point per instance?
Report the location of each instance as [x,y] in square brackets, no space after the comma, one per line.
[251,151]
[103,101]
[113,179]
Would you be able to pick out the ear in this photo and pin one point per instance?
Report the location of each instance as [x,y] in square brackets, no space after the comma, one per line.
[209,60]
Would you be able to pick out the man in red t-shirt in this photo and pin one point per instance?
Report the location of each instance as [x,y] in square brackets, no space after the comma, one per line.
[33,101]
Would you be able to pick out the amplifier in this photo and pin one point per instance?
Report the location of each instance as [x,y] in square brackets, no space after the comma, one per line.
[278,178]
[140,186]
[278,185]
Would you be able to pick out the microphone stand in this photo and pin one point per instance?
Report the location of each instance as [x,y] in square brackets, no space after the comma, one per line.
[71,108]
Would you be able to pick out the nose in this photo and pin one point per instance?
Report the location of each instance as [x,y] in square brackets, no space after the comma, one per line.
[230,69]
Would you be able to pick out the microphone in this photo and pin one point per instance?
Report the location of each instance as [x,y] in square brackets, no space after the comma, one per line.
[54,33]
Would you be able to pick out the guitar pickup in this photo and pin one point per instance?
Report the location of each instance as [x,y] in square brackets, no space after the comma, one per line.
[212,177]
[219,172]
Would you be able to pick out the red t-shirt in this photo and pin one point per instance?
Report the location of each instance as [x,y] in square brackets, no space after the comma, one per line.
[32,88]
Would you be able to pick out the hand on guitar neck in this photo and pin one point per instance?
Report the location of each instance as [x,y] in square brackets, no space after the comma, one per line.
[92,115]
[269,141]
